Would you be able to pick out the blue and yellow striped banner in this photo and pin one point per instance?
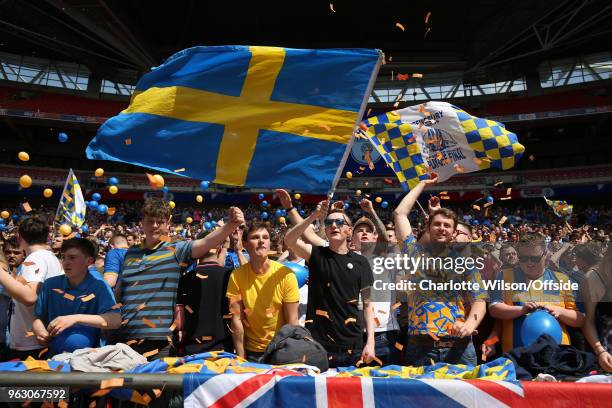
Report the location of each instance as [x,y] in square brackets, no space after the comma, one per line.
[71,208]
[244,116]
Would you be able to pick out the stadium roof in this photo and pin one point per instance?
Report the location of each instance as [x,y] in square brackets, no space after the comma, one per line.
[486,40]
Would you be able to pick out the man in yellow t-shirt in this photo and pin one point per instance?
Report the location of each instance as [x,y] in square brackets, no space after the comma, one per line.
[263,296]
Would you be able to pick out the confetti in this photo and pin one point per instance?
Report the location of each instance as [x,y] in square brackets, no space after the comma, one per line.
[417,75]
[69,296]
[43,351]
[433,336]
[427,32]
[377,322]
[349,320]
[444,197]
[531,157]
[149,323]
[199,275]
[477,161]
[400,26]
[506,198]
[62,404]
[128,141]
[189,309]
[26,207]
[130,342]
[61,292]
[308,321]
[116,306]
[331,7]
[491,341]
[396,305]
[88,297]
[380,363]
[427,17]
[352,301]
[141,306]
[502,220]
[388,181]
[270,312]
[431,361]
[124,322]
[150,353]
[111,383]
[477,208]
[368,159]
[324,126]
[182,169]
[509,191]
[402,77]
[487,205]
[399,346]
[483,357]
[458,168]
[207,338]
[321,313]
[99,393]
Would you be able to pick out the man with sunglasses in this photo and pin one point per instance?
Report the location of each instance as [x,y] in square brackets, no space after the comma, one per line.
[512,306]
[337,277]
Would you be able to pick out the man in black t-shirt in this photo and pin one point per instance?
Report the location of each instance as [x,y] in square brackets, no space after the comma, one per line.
[202,294]
[337,277]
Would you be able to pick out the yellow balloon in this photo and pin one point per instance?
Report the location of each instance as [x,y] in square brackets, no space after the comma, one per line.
[5,214]
[297,196]
[172,204]
[111,211]
[282,220]
[199,198]
[378,200]
[99,172]
[25,181]
[113,190]
[47,192]
[23,156]
[349,175]
[158,180]
[65,229]
[189,220]
[358,192]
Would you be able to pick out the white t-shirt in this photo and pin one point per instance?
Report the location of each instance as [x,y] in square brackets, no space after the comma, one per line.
[37,267]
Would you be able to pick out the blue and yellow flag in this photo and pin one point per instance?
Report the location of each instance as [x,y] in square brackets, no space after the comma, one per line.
[442,138]
[71,208]
[560,207]
[245,116]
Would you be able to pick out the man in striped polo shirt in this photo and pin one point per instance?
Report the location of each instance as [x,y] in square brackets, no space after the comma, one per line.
[147,287]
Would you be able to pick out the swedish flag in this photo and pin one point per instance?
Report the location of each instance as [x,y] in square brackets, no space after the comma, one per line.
[71,208]
[560,207]
[245,116]
[442,138]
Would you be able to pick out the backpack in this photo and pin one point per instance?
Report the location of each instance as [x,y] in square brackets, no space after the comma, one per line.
[294,344]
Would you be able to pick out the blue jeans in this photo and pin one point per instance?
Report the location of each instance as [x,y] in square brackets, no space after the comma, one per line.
[342,358]
[384,347]
[422,355]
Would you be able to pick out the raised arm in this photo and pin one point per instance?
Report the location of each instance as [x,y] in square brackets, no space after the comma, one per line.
[400,215]
[367,207]
[302,249]
[202,246]
[294,216]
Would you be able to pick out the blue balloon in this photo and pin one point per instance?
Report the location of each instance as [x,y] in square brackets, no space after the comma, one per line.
[489,199]
[302,213]
[538,323]
[278,213]
[84,228]
[204,185]
[284,212]
[346,206]
[264,215]
[102,208]
[261,196]
[62,137]
[93,204]
[74,338]
[384,204]
[207,225]
[264,203]
[15,217]
[96,196]
[2,227]
[113,181]
[301,273]
[165,189]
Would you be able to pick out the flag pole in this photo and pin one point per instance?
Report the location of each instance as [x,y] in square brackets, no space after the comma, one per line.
[349,146]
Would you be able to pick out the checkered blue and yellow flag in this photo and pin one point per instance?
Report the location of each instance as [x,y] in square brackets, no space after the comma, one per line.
[442,138]
[71,208]
[560,207]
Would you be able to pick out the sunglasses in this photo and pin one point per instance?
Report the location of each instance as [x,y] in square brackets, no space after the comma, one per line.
[532,259]
[338,221]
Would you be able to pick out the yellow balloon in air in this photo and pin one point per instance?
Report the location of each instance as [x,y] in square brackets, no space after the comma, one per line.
[172,204]
[25,181]
[297,196]
[99,172]
[378,200]
[65,229]
[23,156]
[189,220]
[358,192]
[158,180]
[199,198]
[5,214]
[349,175]
[113,189]
[47,192]
[282,220]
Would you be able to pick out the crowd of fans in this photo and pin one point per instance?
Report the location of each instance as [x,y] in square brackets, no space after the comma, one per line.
[184,280]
